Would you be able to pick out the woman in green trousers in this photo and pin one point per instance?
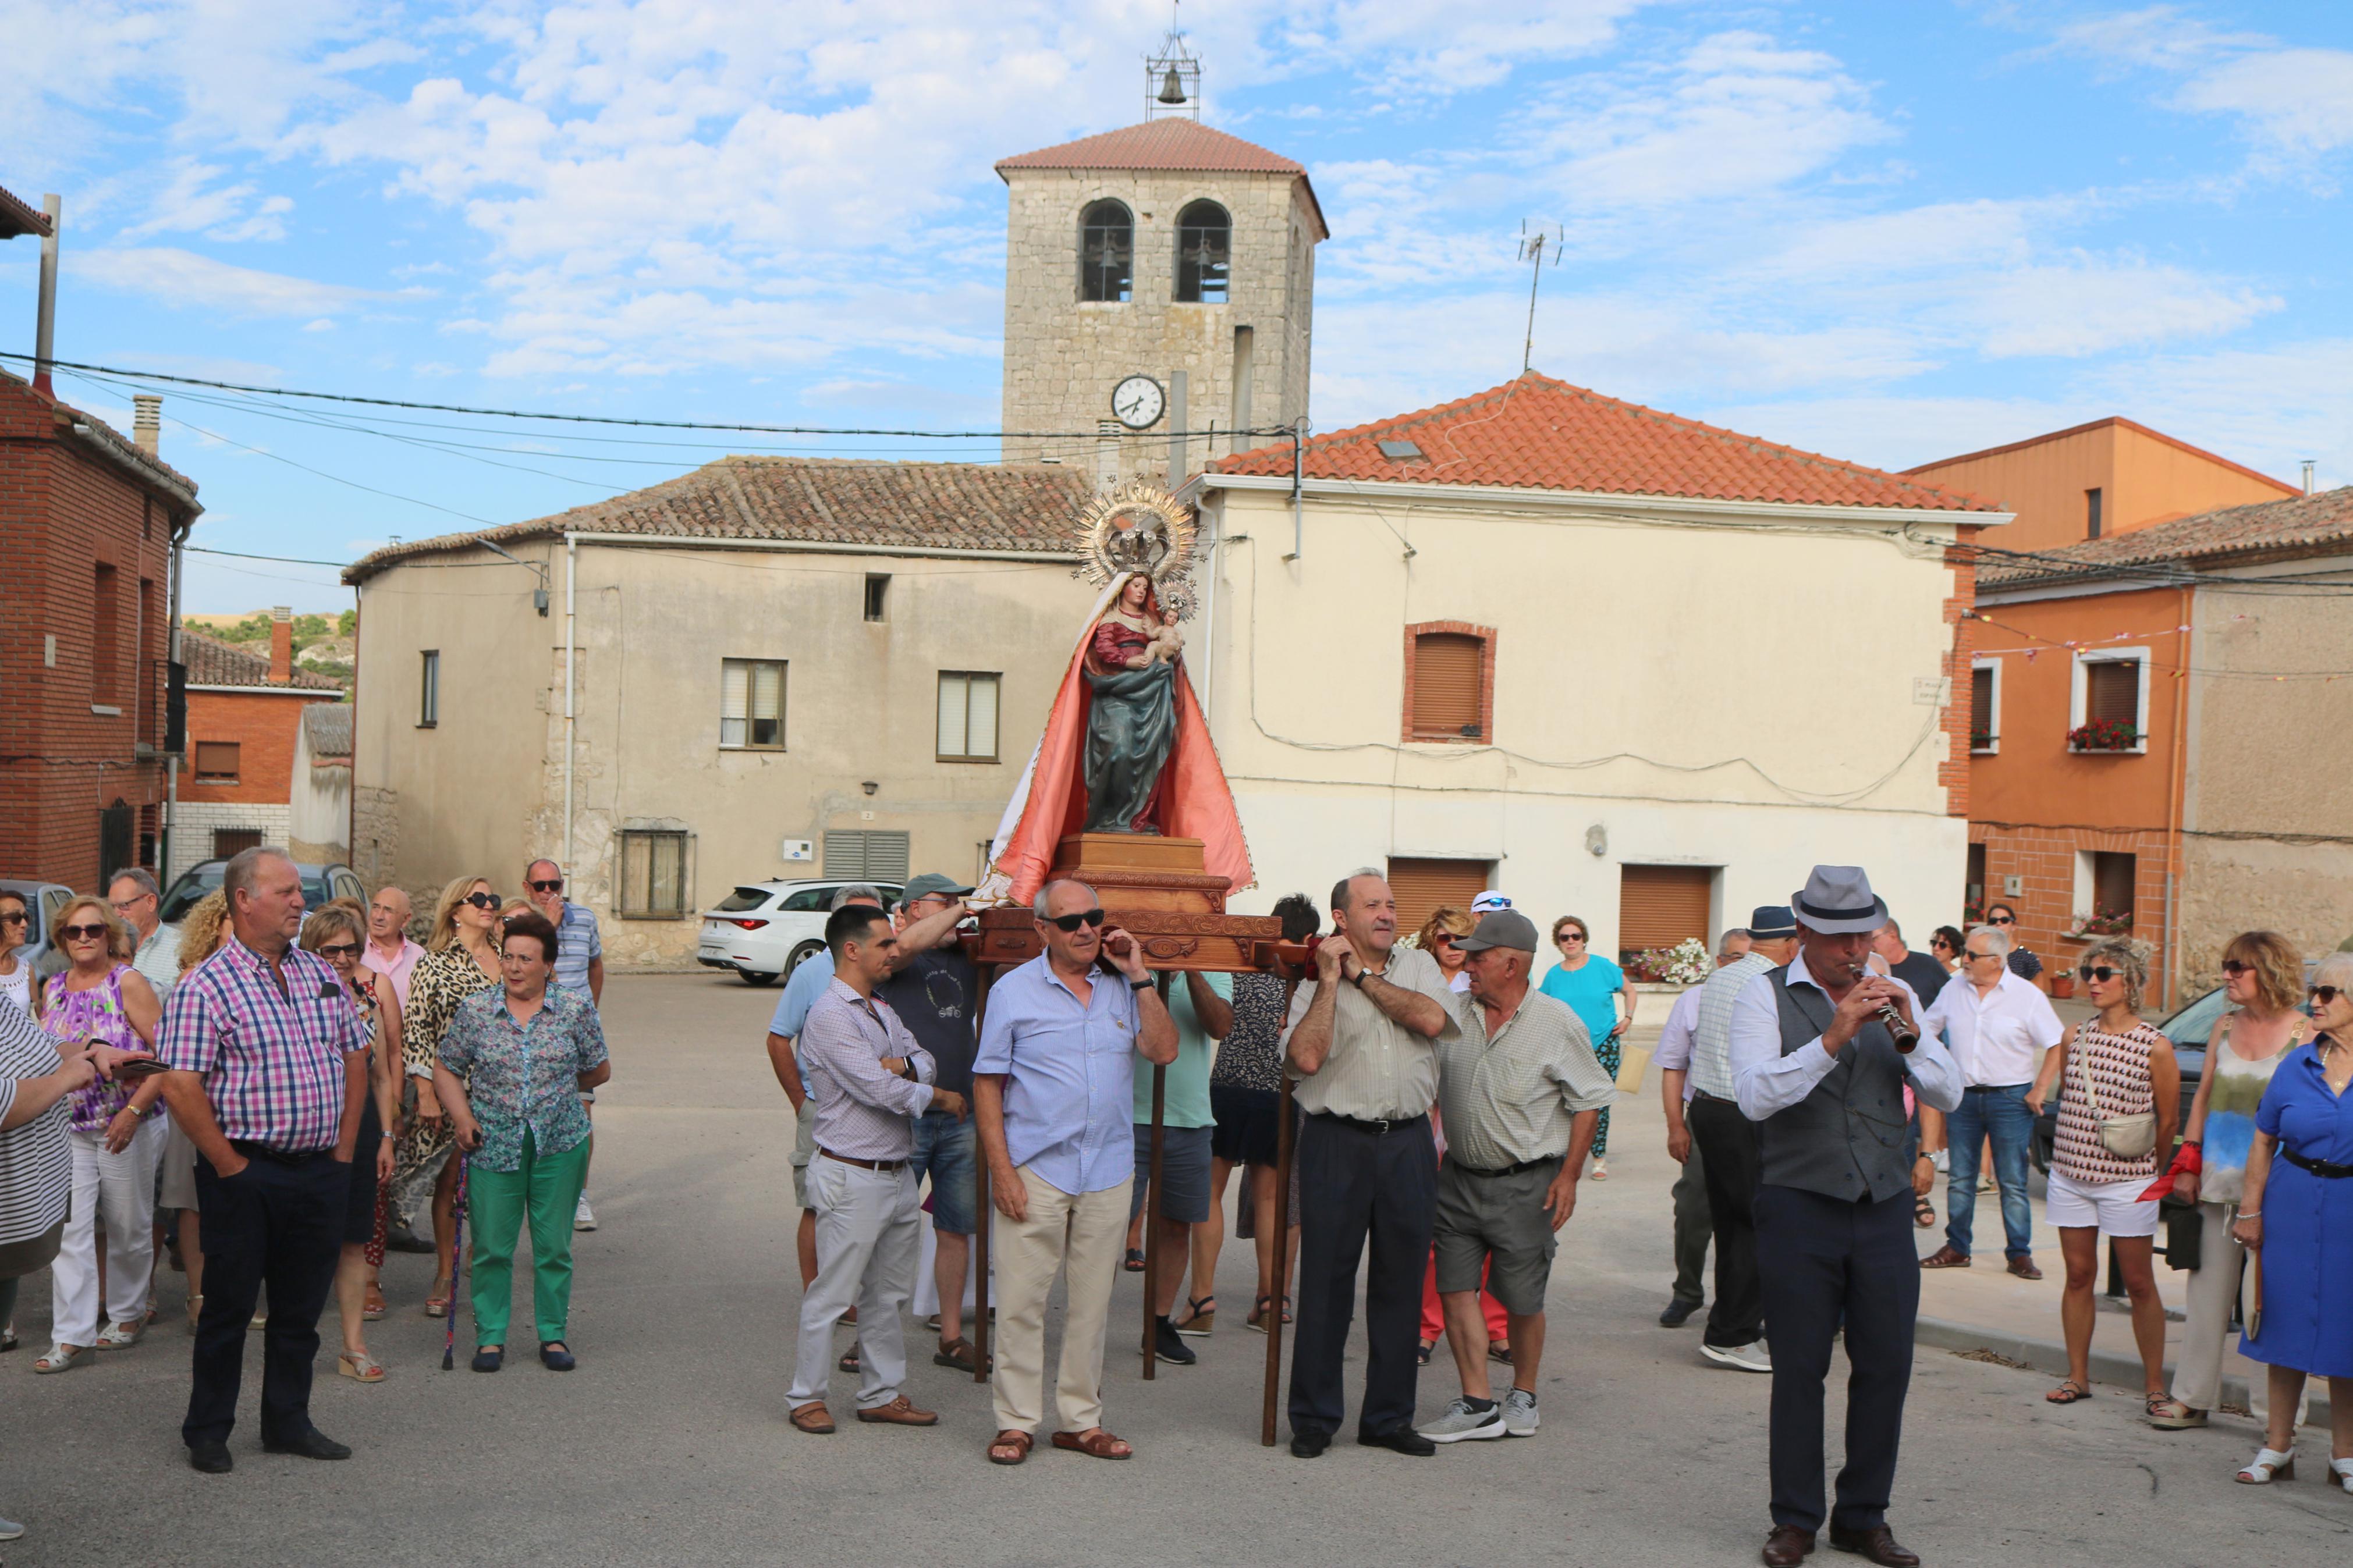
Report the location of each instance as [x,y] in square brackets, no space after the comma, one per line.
[512,1069]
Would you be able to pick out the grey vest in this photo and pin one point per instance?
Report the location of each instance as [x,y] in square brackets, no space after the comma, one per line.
[1849,1138]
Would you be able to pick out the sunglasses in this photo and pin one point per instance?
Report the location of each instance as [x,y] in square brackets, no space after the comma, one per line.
[2099,971]
[1976,954]
[2001,919]
[555,887]
[82,933]
[1443,939]
[1072,922]
[2324,994]
[2233,968]
[340,950]
[1570,936]
[12,917]
[482,900]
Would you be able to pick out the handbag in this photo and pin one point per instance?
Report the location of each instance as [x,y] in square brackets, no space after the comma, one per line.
[2125,1137]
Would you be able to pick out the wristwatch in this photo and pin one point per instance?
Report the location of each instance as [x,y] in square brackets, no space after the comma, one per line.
[1357,979]
[1144,984]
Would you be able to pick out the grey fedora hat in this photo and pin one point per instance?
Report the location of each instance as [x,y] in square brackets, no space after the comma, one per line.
[1836,901]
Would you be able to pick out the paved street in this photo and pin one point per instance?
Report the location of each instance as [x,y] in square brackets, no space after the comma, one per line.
[669,1445]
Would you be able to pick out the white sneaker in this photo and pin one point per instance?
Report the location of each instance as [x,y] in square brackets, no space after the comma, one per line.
[1520,1413]
[10,1529]
[1750,1357]
[583,1217]
[1941,1161]
[1462,1423]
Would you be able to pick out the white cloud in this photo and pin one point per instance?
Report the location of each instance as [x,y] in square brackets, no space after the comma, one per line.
[2296,102]
[183,278]
[2087,306]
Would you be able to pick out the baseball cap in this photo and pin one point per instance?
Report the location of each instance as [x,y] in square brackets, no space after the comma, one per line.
[1489,901]
[1500,928]
[931,884]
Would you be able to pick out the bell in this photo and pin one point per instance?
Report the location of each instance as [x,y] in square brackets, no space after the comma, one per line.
[1172,91]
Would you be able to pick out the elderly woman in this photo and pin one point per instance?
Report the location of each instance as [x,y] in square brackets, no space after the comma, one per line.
[2296,1215]
[2262,975]
[117,1136]
[1593,986]
[510,1071]
[1437,937]
[461,957]
[2118,1107]
[335,933]
[15,930]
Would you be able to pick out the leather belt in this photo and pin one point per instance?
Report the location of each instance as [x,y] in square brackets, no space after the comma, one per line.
[886,1166]
[1718,1099]
[1380,1129]
[253,1150]
[1510,1170]
[2326,1169]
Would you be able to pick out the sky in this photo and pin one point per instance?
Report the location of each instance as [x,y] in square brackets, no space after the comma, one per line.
[1889,232]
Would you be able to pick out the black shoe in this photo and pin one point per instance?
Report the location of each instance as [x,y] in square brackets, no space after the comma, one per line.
[312,1444]
[1678,1312]
[1403,1439]
[212,1457]
[1171,1346]
[1309,1445]
[490,1358]
[400,1239]
[555,1358]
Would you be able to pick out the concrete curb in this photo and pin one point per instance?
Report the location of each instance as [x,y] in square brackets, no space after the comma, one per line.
[2107,1366]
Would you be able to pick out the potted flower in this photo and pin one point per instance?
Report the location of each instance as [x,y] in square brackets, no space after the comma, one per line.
[1982,740]
[2101,922]
[2104,735]
[2062,983]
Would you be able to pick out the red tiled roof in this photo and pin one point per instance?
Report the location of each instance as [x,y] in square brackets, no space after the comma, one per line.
[213,662]
[18,217]
[1537,433]
[1170,143]
[2118,422]
[2314,524]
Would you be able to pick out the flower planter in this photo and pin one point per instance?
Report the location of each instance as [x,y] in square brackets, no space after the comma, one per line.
[2062,986]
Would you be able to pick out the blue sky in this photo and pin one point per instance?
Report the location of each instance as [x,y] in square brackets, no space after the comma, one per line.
[1891,232]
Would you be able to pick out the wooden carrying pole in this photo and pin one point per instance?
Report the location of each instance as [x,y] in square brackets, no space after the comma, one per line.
[979,1216]
[1151,1206]
[1281,1258]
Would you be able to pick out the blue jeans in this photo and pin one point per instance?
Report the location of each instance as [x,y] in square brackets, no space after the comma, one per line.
[944,1151]
[1999,1111]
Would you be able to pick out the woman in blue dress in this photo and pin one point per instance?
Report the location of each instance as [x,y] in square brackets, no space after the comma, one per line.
[2297,1213]
[1591,985]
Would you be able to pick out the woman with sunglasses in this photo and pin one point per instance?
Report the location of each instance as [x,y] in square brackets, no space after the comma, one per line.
[461,957]
[1945,945]
[2110,1069]
[118,1139]
[16,930]
[2262,975]
[337,933]
[1592,986]
[2022,960]
[2296,1215]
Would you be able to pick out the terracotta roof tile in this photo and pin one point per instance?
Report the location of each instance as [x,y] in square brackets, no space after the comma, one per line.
[212,662]
[1170,143]
[941,506]
[2319,523]
[19,216]
[1540,434]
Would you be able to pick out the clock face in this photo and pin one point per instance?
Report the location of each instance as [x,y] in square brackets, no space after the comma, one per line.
[1138,402]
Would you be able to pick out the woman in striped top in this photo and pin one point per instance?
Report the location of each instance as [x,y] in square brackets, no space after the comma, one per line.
[2114,1066]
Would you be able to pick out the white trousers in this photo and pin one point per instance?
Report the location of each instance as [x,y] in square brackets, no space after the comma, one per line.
[868,1228]
[123,1187]
[2213,1291]
[1080,1235]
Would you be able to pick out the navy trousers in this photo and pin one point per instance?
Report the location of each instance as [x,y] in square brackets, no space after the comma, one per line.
[1355,1184]
[282,1224]
[1824,1260]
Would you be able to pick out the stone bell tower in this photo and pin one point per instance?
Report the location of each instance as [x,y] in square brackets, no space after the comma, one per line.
[1159,279]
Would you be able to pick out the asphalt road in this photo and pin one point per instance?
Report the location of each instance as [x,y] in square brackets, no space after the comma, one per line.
[670,1444]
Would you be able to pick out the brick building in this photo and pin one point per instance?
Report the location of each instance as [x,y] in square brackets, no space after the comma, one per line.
[244,729]
[88,519]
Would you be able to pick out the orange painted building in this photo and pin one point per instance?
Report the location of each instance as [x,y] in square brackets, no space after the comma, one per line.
[245,717]
[2106,478]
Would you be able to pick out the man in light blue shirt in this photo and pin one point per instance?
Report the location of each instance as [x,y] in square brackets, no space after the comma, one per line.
[579,966]
[809,982]
[1053,1087]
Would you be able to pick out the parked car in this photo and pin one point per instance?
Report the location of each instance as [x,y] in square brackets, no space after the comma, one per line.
[320,883]
[43,900]
[763,931]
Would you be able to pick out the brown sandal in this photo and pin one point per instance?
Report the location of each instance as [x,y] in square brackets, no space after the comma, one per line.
[1095,1442]
[812,1418]
[1012,1443]
[960,1354]
[2068,1392]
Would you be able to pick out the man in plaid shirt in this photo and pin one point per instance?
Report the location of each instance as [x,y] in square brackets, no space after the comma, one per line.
[267,1064]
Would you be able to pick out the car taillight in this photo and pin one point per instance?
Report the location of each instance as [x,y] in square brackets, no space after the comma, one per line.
[747,925]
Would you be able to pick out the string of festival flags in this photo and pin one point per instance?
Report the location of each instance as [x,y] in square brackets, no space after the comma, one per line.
[2039,644]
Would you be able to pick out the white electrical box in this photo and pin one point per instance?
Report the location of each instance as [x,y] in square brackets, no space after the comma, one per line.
[798,850]
[2013,886]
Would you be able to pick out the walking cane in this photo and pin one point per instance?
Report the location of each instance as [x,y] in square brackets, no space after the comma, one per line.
[457,1267]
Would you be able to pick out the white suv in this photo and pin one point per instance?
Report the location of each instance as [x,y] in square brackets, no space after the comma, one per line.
[762,930]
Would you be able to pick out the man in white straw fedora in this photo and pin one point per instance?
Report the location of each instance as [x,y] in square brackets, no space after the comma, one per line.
[1821,1051]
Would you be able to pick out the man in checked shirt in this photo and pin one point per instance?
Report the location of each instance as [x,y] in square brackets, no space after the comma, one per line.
[868,1080]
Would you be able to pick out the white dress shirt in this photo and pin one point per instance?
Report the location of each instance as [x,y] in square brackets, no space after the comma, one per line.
[1673,1052]
[1999,1037]
[1765,1081]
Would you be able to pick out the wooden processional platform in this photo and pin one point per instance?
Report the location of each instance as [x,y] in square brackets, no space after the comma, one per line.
[1158,891]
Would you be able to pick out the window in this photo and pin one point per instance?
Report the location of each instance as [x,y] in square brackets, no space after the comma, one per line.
[808,901]
[2092,514]
[752,704]
[1106,252]
[429,705]
[1973,887]
[103,652]
[868,855]
[1449,681]
[1985,706]
[968,716]
[216,762]
[1659,906]
[653,874]
[2107,877]
[1422,886]
[230,842]
[1204,248]
[2110,701]
[878,596]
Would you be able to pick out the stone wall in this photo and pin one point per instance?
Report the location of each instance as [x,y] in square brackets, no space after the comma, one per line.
[2302,891]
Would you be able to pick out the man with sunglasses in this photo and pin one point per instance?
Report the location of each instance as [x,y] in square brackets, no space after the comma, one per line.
[1999,1026]
[137,902]
[579,966]
[1053,1084]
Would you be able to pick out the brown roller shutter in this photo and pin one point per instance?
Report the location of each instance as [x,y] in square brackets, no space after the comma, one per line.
[1659,906]
[1982,701]
[2112,690]
[1446,686]
[1422,886]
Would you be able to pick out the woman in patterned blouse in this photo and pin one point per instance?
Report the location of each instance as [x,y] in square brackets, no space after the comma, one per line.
[2113,1065]
[461,957]
[1246,1096]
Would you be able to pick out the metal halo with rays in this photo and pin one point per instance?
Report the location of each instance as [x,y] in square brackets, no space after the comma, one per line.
[1140,527]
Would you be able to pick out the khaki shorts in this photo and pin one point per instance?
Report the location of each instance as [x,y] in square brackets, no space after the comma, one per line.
[803,1150]
[1501,1217]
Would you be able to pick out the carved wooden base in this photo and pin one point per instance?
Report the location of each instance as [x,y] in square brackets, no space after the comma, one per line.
[1153,888]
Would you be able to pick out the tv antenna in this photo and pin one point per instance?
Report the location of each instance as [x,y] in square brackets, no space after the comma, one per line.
[1533,245]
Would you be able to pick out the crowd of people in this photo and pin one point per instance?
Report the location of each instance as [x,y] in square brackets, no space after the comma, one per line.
[289,1092]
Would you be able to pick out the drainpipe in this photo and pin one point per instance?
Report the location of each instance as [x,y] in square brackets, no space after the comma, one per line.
[352,793]
[180,528]
[1298,520]
[2174,801]
[571,582]
[45,322]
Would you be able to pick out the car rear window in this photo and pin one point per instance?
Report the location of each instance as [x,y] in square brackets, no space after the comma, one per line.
[809,899]
[744,898]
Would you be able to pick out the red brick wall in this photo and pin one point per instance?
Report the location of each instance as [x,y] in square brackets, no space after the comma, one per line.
[2046,858]
[263,725]
[63,511]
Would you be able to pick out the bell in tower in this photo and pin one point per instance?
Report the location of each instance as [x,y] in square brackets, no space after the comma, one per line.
[1172,81]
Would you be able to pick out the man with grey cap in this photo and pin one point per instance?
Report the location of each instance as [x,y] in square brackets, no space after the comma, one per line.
[1821,1051]
[1522,1093]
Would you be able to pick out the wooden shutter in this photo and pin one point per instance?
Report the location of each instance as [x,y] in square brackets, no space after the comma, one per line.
[1422,886]
[1982,701]
[217,761]
[1446,668]
[1659,906]
[231,842]
[2112,882]
[2112,690]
